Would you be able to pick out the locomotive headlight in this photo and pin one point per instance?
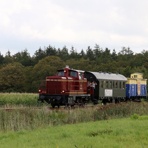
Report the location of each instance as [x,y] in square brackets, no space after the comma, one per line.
[39,90]
[63,91]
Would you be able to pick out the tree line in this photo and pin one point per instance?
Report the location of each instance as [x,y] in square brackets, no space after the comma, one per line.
[23,73]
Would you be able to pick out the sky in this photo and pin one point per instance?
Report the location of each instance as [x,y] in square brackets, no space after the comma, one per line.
[34,24]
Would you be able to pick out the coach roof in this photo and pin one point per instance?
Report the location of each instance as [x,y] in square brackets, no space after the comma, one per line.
[108,76]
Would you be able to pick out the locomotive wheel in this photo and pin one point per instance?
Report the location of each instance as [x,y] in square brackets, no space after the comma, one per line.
[53,105]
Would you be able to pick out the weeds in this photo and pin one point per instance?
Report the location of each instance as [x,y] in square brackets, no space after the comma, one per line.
[29,118]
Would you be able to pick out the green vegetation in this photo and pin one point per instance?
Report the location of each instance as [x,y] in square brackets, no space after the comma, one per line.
[31,118]
[114,125]
[27,126]
[115,133]
[13,99]
[22,73]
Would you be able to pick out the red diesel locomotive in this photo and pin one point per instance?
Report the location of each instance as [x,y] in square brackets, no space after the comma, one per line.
[67,87]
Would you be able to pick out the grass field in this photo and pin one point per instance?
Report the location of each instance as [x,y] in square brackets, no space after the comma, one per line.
[26,99]
[123,125]
[118,133]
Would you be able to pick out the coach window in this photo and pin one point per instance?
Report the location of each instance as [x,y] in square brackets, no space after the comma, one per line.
[120,84]
[109,84]
[123,85]
[104,84]
[101,84]
[113,84]
[116,84]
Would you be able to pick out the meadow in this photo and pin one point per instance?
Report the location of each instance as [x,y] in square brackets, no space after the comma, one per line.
[115,133]
[116,125]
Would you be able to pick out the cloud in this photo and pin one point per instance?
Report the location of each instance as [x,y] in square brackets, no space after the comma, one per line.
[110,23]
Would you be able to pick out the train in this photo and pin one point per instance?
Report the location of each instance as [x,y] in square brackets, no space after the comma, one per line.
[69,87]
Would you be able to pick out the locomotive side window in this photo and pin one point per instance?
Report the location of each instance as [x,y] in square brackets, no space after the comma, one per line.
[73,74]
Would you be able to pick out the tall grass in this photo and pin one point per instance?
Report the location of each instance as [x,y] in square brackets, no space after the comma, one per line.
[29,118]
[26,99]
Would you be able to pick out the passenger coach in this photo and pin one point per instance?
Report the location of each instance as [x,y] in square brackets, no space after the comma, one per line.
[109,87]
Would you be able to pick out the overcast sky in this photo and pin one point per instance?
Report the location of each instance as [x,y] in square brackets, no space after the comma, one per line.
[31,24]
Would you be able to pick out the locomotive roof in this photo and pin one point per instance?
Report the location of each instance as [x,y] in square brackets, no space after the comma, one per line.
[81,71]
[78,70]
[108,76]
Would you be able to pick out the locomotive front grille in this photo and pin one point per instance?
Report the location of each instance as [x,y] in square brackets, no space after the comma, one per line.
[55,86]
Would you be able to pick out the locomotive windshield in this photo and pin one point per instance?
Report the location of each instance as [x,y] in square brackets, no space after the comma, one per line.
[60,73]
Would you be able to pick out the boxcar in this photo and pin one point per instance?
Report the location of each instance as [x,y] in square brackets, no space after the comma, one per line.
[109,87]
